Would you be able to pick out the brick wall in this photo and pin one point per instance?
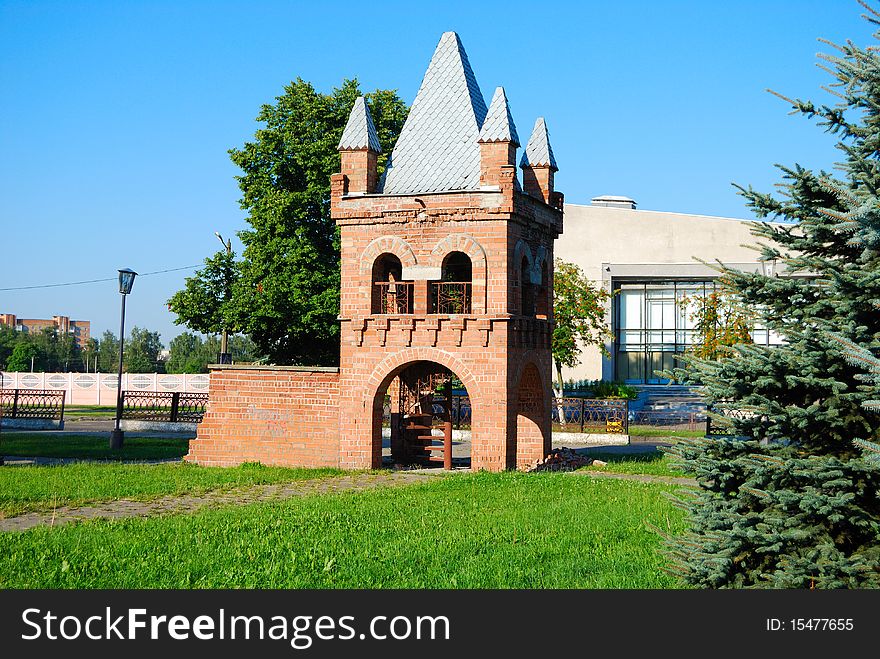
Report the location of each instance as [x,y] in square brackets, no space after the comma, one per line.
[275,415]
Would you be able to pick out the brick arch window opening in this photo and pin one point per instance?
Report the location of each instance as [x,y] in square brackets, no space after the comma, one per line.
[390,294]
[453,293]
[526,288]
[542,298]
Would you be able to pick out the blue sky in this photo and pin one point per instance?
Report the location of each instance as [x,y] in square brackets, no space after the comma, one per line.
[116,117]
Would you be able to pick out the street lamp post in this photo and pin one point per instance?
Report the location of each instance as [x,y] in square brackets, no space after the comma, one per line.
[768,267]
[224,337]
[126,281]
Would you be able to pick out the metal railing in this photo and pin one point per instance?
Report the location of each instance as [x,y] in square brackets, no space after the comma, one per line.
[591,415]
[720,426]
[584,415]
[395,297]
[163,406]
[451,297]
[32,404]
[668,419]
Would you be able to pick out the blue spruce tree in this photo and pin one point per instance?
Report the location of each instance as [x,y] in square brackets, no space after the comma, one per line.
[785,497]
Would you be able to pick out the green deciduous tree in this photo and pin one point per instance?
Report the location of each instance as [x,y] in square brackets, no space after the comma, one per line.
[108,352]
[8,339]
[287,298]
[579,316]
[185,354]
[89,353]
[189,353]
[720,321]
[22,355]
[141,351]
[51,351]
[786,499]
[205,303]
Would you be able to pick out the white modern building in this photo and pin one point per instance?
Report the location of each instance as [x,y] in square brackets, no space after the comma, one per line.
[650,258]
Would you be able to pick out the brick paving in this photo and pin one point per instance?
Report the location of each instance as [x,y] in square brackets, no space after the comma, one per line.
[191,503]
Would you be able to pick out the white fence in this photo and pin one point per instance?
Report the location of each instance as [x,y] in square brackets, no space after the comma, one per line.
[100,388]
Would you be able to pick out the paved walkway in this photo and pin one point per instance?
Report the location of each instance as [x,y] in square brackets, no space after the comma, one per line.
[190,503]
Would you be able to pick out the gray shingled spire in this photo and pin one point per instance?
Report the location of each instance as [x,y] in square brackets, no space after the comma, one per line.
[359,132]
[538,151]
[499,126]
[437,148]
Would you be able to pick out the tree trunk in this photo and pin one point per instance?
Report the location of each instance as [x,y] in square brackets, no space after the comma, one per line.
[560,392]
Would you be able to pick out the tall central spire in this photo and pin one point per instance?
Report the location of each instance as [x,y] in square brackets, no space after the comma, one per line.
[437,149]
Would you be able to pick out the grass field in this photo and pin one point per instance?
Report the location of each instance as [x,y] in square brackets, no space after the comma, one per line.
[481,530]
[90,447]
[654,463]
[43,488]
[657,431]
[90,411]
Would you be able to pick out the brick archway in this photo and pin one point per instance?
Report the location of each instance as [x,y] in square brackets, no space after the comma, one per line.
[522,250]
[385,370]
[387,245]
[540,257]
[390,367]
[533,431]
[467,244]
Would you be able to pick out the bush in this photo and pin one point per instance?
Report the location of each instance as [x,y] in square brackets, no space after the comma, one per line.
[600,389]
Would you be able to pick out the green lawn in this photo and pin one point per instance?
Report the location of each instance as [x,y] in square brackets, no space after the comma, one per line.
[90,411]
[481,530]
[664,433]
[654,463]
[90,447]
[43,488]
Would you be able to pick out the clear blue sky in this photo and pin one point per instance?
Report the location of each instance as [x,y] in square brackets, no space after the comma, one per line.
[116,117]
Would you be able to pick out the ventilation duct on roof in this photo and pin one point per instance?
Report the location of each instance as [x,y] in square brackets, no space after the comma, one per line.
[613,201]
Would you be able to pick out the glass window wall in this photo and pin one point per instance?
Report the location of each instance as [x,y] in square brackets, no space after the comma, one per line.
[652,321]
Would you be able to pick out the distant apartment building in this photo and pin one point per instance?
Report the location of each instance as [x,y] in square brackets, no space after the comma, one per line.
[80,329]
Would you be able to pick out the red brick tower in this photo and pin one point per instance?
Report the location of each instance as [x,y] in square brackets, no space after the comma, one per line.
[447,266]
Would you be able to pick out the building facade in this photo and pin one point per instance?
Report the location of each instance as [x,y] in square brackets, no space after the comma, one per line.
[79,329]
[649,257]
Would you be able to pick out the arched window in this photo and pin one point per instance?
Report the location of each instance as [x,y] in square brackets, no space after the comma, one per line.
[527,290]
[390,294]
[543,303]
[452,294]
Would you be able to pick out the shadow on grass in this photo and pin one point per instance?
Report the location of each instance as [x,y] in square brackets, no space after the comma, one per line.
[91,447]
[649,463]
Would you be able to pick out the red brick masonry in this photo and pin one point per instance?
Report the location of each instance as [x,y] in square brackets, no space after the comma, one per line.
[276,415]
[498,344]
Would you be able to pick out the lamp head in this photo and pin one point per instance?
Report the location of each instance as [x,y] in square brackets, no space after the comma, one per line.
[768,267]
[126,280]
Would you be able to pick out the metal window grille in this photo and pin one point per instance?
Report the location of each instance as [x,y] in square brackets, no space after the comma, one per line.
[451,297]
[395,297]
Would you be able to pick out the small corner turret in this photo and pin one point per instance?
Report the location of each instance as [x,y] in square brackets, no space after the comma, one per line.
[359,150]
[539,165]
[498,143]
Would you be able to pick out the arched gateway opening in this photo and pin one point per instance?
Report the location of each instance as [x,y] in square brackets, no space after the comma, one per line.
[532,421]
[422,416]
